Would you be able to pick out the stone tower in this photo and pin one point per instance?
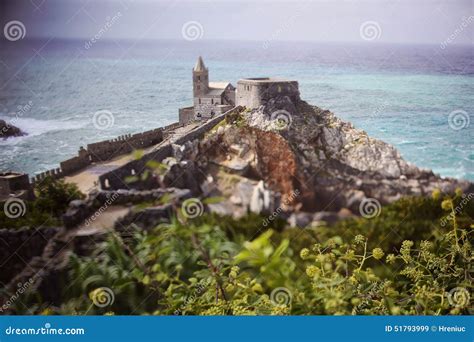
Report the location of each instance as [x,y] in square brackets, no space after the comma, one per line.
[200,79]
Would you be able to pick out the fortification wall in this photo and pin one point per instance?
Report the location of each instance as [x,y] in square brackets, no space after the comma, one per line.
[53,173]
[186,115]
[253,93]
[74,164]
[106,150]
[109,149]
[117,178]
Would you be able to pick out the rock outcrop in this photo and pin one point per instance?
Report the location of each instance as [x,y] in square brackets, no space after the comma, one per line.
[7,130]
[260,158]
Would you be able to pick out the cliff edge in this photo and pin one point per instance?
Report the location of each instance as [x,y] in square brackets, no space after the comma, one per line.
[294,158]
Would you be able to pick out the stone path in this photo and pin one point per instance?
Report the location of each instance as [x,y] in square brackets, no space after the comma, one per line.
[87,179]
[104,220]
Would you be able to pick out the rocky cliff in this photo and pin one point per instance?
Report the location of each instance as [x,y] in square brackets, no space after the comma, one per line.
[299,160]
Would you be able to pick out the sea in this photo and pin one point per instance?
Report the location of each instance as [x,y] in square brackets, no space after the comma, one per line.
[420,98]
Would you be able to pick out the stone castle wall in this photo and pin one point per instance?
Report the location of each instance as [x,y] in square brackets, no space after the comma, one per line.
[13,183]
[255,92]
[109,149]
[186,115]
[117,178]
[106,150]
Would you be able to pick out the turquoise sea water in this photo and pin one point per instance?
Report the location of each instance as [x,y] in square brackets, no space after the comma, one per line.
[400,94]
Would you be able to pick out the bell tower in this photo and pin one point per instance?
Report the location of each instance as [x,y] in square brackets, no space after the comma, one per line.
[200,78]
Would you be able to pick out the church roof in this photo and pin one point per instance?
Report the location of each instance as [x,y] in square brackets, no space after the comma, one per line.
[218,85]
[200,65]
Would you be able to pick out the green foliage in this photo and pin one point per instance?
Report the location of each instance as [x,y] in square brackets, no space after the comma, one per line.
[52,200]
[53,196]
[403,262]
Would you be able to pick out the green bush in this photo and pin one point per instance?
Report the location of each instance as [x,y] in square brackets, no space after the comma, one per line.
[52,200]
[402,262]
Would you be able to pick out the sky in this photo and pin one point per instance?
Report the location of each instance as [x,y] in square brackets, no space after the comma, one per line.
[394,21]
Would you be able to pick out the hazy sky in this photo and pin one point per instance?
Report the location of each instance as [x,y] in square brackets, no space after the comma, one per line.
[401,21]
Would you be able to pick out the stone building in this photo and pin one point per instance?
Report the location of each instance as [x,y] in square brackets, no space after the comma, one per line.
[210,98]
[13,184]
[254,92]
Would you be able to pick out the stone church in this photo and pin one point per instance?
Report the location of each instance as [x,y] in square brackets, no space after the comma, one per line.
[214,98]
[210,98]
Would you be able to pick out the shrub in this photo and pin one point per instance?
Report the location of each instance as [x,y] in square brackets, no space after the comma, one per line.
[212,266]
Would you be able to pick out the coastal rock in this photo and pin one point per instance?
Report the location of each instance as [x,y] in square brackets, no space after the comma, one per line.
[7,130]
[332,164]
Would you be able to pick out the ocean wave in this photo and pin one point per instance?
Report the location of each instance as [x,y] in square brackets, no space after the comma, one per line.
[33,127]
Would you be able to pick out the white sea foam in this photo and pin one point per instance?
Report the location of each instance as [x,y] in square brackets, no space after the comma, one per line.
[33,127]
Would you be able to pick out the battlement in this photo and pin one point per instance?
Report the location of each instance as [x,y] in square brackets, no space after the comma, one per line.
[106,150]
[16,184]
